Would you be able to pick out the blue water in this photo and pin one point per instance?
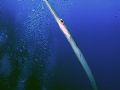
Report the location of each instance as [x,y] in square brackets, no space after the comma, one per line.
[34,54]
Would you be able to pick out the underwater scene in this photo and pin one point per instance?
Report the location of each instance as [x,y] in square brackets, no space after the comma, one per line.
[59,44]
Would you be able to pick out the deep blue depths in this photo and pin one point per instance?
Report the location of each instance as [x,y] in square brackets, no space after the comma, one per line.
[95,25]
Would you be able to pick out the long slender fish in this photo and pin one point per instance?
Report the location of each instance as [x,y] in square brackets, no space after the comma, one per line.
[74,46]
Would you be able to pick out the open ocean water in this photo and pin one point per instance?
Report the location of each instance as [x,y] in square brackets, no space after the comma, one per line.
[35,55]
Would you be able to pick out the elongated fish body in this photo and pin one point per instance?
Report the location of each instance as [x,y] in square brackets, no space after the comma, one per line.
[74,46]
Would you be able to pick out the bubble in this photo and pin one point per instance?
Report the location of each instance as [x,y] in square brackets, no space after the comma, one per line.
[3,38]
[20,0]
[36,60]
[33,10]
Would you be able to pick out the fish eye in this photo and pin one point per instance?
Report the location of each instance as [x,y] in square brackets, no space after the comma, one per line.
[61,20]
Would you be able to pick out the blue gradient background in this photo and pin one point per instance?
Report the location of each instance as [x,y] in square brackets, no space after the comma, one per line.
[95,25]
